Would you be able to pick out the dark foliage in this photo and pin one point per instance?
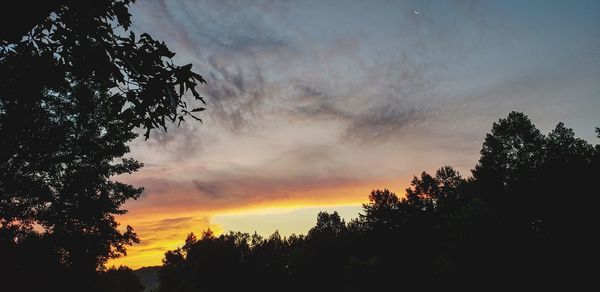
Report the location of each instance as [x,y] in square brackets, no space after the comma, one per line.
[76,83]
[148,277]
[524,221]
[121,279]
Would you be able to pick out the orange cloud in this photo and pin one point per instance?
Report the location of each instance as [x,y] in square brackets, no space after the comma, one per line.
[162,220]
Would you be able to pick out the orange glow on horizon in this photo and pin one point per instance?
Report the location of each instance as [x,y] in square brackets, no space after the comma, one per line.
[162,229]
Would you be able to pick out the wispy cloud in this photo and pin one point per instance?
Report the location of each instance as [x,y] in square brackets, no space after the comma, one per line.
[321,101]
[235,95]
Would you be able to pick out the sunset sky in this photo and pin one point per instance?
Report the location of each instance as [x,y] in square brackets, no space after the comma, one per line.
[312,104]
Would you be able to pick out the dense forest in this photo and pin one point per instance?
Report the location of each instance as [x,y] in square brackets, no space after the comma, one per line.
[524,220]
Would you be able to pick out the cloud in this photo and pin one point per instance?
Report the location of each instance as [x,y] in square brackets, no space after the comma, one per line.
[234,95]
[307,91]
[178,143]
[382,122]
[300,175]
[393,99]
[210,189]
[230,28]
[170,223]
[236,28]
[377,123]
[228,42]
[154,232]
[237,188]
[158,234]
[152,249]
[320,101]
[235,44]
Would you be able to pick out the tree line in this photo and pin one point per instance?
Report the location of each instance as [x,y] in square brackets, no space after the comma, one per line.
[524,220]
[77,85]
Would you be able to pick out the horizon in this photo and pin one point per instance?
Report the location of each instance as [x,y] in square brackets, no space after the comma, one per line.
[312,105]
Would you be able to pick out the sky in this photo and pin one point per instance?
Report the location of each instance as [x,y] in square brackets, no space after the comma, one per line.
[313,104]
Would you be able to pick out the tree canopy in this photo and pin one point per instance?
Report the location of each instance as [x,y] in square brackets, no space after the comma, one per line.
[524,220]
[76,84]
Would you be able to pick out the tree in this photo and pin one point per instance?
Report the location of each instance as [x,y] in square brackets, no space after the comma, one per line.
[511,158]
[526,219]
[75,87]
[537,200]
[121,279]
[382,210]
[436,193]
[331,225]
[510,151]
[22,16]
[173,271]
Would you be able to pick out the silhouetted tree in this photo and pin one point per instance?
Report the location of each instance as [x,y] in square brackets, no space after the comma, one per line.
[121,279]
[524,221]
[328,225]
[74,88]
[382,211]
[510,156]
[173,272]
